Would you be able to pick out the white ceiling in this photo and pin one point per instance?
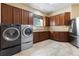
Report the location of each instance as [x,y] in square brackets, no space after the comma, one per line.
[48,7]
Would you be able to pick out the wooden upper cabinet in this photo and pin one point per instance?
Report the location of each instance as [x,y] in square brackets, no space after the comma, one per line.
[25,17]
[14,15]
[64,18]
[67,18]
[46,21]
[57,20]
[30,18]
[60,19]
[52,20]
[6,14]
[17,15]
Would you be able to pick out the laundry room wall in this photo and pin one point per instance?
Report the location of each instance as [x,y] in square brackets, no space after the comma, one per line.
[75,10]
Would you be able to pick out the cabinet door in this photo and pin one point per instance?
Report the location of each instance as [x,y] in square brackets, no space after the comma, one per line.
[61,36]
[56,35]
[25,17]
[64,18]
[17,15]
[57,20]
[35,37]
[52,20]
[46,34]
[46,21]
[30,18]
[43,35]
[6,14]
[61,18]
[51,35]
[67,18]
[64,36]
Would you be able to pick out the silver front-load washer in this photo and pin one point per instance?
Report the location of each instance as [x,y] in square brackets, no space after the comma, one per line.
[26,36]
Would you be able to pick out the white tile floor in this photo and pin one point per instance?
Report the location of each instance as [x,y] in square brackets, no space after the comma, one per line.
[50,48]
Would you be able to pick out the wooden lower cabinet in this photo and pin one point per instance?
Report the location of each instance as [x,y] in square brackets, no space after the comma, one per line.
[35,37]
[40,36]
[51,35]
[60,36]
[43,36]
[64,36]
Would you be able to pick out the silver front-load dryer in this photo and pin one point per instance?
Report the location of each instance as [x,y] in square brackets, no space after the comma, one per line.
[26,36]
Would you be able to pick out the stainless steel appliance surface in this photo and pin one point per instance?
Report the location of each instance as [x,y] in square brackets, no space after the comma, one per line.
[74,31]
[10,38]
[26,36]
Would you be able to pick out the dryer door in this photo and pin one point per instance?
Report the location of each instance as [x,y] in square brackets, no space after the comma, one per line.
[11,34]
[27,32]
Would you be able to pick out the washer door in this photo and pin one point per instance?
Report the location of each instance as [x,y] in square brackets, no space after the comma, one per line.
[11,34]
[27,32]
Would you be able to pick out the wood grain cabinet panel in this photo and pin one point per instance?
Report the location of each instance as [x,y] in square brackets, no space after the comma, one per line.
[25,17]
[14,15]
[52,20]
[30,18]
[60,36]
[55,35]
[46,21]
[6,14]
[44,35]
[51,35]
[35,37]
[40,36]
[57,20]
[17,15]
[60,19]
[64,36]
[64,18]
[67,18]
